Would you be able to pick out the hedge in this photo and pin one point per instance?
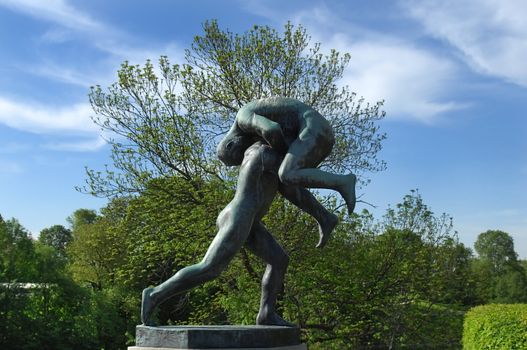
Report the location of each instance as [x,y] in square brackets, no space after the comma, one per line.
[496,326]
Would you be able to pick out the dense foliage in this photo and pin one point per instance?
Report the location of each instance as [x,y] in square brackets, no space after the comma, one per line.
[41,306]
[496,326]
[401,282]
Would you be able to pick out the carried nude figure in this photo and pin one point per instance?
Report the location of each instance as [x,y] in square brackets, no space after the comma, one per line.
[279,142]
[305,138]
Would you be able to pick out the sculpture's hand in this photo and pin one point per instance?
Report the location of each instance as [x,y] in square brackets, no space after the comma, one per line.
[274,136]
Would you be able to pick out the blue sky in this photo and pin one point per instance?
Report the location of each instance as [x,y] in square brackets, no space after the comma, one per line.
[453,74]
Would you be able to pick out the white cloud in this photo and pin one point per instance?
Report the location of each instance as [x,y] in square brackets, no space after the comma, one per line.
[66,75]
[77,146]
[410,80]
[415,83]
[70,122]
[57,11]
[105,73]
[56,36]
[490,34]
[114,44]
[139,55]
[44,119]
[100,35]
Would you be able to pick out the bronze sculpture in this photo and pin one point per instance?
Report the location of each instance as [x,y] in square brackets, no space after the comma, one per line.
[278,142]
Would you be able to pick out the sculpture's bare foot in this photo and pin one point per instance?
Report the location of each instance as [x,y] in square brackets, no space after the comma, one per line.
[272,319]
[325,229]
[147,307]
[348,192]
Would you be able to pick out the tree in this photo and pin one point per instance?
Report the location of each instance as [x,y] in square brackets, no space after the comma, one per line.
[501,277]
[17,254]
[496,247]
[56,236]
[168,124]
[96,246]
[81,217]
[162,231]
[4,240]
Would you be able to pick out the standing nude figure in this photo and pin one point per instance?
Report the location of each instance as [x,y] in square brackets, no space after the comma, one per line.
[305,138]
[238,224]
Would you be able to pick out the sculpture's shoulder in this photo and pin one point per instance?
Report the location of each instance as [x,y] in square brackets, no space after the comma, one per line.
[261,157]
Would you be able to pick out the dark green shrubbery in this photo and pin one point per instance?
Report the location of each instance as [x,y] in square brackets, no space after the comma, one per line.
[496,326]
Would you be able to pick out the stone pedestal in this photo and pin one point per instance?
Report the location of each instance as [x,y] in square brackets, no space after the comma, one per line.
[218,338]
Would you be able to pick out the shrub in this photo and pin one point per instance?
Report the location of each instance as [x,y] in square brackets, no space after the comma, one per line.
[496,326]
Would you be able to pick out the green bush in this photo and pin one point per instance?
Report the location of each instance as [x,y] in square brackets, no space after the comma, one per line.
[496,326]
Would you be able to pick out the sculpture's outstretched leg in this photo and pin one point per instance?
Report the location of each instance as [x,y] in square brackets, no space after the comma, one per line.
[313,145]
[263,245]
[292,175]
[303,199]
[228,241]
[185,279]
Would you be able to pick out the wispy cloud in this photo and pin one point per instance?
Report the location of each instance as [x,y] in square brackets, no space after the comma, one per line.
[71,24]
[414,82]
[77,146]
[112,45]
[411,81]
[66,74]
[490,34]
[100,35]
[102,74]
[38,118]
[71,123]
[139,55]
[109,46]
[57,11]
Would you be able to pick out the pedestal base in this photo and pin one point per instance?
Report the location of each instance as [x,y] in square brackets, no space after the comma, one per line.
[293,347]
[218,338]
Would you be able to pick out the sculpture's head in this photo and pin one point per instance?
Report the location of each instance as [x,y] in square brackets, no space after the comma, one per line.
[232,148]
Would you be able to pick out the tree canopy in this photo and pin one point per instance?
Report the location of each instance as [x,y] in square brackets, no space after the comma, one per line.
[497,247]
[500,276]
[56,236]
[165,120]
